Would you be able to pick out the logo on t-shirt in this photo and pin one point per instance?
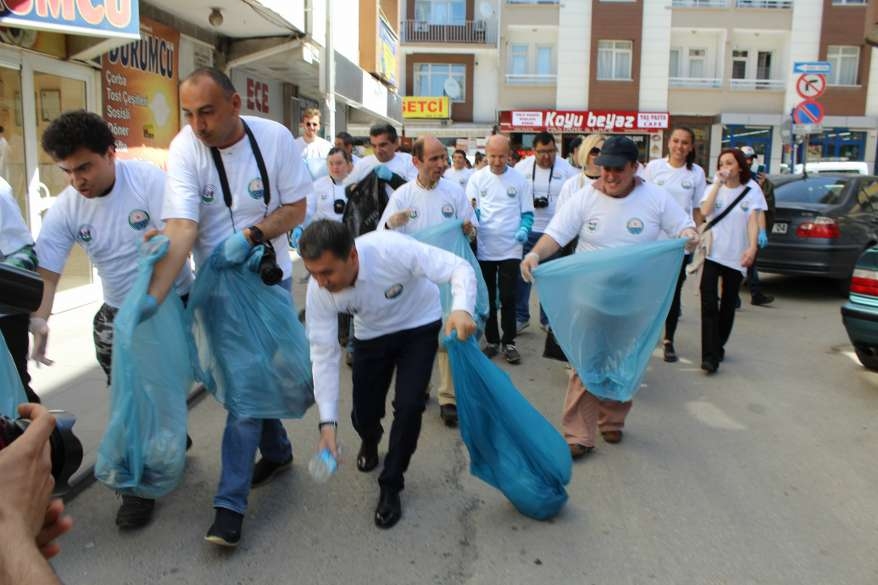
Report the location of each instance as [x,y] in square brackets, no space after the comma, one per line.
[483,193]
[511,191]
[745,206]
[660,182]
[393,292]
[85,233]
[718,205]
[254,188]
[591,225]
[462,182]
[138,219]
[208,194]
[686,184]
[635,226]
[323,196]
[448,210]
[413,213]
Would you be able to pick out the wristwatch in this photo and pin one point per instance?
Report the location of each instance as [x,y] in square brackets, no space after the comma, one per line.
[331,423]
[256,235]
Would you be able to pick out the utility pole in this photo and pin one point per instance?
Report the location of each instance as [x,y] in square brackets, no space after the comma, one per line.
[329,59]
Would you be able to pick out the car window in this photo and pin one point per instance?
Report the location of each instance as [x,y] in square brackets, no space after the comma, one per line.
[867,197]
[814,189]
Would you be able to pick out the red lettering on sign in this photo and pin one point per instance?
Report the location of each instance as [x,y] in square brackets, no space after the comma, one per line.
[257,96]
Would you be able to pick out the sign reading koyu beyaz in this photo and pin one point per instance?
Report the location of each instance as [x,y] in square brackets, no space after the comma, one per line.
[581,121]
[140,88]
[425,107]
[104,18]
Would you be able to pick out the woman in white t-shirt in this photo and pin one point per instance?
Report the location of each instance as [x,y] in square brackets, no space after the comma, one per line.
[733,249]
[684,181]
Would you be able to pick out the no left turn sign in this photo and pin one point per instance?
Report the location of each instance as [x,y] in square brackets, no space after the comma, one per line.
[810,85]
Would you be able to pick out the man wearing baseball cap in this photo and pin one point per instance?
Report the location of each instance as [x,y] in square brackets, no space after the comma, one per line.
[765,220]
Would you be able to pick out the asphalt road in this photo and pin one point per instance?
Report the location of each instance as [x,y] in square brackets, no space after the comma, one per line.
[762,474]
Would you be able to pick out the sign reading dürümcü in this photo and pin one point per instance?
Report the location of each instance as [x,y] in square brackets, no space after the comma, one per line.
[104,18]
[581,121]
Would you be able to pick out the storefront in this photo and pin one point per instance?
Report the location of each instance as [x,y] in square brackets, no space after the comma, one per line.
[759,138]
[646,129]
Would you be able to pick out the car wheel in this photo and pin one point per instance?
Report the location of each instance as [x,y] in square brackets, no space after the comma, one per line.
[868,356]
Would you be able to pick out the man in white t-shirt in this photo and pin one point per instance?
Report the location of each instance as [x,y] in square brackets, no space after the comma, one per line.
[458,171]
[422,203]
[547,172]
[505,210]
[314,148]
[200,220]
[619,209]
[108,207]
[385,160]
[388,282]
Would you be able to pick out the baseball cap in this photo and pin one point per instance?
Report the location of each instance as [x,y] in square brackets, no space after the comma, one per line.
[617,151]
[749,152]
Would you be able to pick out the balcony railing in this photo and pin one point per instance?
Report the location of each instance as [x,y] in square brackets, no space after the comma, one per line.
[757,84]
[783,4]
[710,82]
[473,32]
[530,78]
[700,3]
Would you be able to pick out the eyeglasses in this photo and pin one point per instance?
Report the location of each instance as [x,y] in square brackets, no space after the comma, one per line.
[594,151]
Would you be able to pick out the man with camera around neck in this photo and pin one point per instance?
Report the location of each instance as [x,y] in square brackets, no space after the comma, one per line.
[108,207]
[424,202]
[200,219]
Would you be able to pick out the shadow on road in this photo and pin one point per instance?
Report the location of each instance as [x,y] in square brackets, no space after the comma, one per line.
[804,288]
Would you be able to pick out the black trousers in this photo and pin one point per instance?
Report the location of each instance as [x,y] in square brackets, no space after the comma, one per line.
[674,313]
[504,272]
[717,314]
[15,333]
[411,353]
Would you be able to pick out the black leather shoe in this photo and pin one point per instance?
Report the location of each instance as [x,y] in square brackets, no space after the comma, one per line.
[709,366]
[670,353]
[188,442]
[448,414]
[134,512]
[367,458]
[226,528]
[265,470]
[761,299]
[389,509]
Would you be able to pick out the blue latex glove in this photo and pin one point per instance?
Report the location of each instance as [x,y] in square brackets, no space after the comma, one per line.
[148,308]
[521,235]
[295,235]
[763,238]
[383,173]
[255,258]
[236,248]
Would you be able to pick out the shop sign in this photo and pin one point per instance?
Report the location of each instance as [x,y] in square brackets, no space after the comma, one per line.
[388,62]
[425,107]
[582,121]
[139,88]
[104,18]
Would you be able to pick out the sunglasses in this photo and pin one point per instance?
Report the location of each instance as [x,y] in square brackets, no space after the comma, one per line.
[594,151]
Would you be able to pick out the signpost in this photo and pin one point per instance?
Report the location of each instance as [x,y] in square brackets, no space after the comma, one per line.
[807,115]
[808,112]
[811,86]
[824,67]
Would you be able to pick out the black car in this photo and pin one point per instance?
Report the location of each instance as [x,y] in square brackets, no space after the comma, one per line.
[822,224]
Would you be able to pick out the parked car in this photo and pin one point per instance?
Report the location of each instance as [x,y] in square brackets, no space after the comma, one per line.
[860,313]
[822,224]
[847,167]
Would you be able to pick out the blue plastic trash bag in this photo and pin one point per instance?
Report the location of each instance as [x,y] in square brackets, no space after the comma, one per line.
[143,450]
[448,235]
[511,446]
[607,309]
[253,354]
[11,391]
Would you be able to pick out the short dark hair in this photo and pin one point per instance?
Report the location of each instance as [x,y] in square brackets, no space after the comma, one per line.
[346,138]
[336,150]
[745,174]
[460,152]
[74,130]
[220,78]
[479,156]
[544,138]
[384,128]
[575,143]
[325,235]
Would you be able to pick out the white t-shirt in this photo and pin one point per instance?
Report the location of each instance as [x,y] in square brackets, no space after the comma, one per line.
[500,199]
[401,164]
[545,183]
[461,177]
[14,233]
[684,185]
[317,148]
[395,290]
[321,200]
[730,237]
[445,201]
[193,189]
[572,185]
[602,221]
[110,228]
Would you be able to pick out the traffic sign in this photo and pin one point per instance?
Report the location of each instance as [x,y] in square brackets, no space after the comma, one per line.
[824,67]
[808,112]
[811,85]
[805,129]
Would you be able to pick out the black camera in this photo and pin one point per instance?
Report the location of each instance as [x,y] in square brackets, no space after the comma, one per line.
[338,205]
[270,273]
[541,202]
[66,448]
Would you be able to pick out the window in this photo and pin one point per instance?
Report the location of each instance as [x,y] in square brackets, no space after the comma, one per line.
[739,64]
[544,60]
[674,65]
[845,63]
[614,60]
[848,2]
[763,65]
[696,62]
[441,11]
[430,79]
[518,58]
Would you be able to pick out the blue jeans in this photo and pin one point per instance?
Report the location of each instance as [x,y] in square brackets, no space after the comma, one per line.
[241,438]
[522,303]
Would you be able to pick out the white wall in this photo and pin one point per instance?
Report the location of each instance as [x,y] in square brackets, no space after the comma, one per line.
[574,55]
[654,57]
[258,87]
[293,11]
[485,88]
[710,41]
[346,28]
[804,44]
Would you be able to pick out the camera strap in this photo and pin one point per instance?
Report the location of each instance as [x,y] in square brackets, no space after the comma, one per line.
[533,180]
[224,179]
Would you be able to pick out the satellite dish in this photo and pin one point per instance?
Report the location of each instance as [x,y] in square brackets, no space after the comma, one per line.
[452,88]
[486,10]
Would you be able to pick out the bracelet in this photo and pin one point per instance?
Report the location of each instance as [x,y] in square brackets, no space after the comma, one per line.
[332,423]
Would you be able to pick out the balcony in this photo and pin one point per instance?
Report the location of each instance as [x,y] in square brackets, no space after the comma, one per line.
[470,32]
[700,3]
[757,84]
[531,78]
[695,82]
[782,4]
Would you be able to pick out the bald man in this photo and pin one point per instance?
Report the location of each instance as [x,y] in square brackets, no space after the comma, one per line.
[505,211]
[424,202]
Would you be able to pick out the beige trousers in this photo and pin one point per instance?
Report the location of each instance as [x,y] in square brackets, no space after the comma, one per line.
[585,413]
